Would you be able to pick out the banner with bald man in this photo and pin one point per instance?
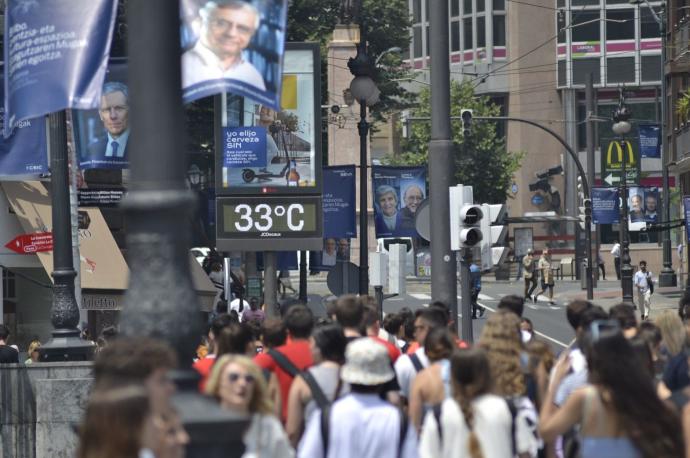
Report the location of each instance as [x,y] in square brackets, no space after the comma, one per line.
[233,46]
[398,191]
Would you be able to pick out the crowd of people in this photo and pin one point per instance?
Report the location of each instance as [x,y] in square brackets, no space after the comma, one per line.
[352,385]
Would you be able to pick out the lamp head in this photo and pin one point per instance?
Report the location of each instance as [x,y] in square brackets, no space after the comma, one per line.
[364,88]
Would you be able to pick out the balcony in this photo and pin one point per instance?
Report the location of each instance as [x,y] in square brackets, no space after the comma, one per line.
[682,142]
[679,58]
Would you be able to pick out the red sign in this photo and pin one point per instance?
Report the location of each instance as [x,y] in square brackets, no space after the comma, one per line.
[31,243]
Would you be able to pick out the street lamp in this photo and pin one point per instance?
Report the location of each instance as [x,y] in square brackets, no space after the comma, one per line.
[364,90]
[621,127]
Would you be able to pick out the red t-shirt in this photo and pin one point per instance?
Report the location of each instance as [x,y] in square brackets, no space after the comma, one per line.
[299,354]
[203,367]
[393,351]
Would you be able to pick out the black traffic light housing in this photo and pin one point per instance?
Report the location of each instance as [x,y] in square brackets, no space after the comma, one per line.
[466,116]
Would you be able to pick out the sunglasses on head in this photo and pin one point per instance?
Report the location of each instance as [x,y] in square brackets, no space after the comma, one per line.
[234,377]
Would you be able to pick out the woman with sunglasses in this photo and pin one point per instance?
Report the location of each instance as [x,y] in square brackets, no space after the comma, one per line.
[619,412]
[238,384]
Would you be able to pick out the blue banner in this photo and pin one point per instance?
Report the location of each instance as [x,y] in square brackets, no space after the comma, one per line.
[605,206]
[244,146]
[398,191]
[650,140]
[101,136]
[24,153]
[339,212]
[686,207]
[233,46]
[56,53]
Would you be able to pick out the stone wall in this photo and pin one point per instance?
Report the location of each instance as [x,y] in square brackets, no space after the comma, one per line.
[40,406]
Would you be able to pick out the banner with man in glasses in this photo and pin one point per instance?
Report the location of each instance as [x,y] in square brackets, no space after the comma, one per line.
[233,46]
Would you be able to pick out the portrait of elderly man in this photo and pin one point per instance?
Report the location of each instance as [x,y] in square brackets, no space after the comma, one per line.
[387,219]
[412,198]
[328,256]
[227,28]
[636,209]
[114,114]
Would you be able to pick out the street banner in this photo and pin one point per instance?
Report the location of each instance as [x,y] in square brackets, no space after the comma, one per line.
[398,191]
[636,205]
[605,206]
[99,197]
[335,250]
[233,46]
[686,207]
[24,154]
[287,160]
[101,135]
[339,213]
[650,140]
[615,153]
[651,203]
[38,242]
[56,53]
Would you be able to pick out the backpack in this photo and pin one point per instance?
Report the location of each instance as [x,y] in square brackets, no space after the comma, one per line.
[512,407]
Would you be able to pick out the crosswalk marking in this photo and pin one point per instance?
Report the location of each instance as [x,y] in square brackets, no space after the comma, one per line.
[421,296]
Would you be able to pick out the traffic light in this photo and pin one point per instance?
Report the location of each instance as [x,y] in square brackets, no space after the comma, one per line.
[582,215]
[466,116]
[494,236]
[465,218]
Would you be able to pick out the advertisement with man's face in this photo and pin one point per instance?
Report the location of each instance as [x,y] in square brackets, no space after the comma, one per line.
[636,204]
[102,135]
[233,46]
[263,150]
[651,203]
[398,191]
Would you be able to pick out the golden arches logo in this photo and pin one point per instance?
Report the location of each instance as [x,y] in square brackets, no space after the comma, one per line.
[618,163]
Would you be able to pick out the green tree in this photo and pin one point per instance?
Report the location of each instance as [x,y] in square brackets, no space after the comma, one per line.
[481,159]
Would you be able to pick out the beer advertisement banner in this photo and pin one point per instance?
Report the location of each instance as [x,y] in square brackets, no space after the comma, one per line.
[56,53]
[398,191]
[233,46]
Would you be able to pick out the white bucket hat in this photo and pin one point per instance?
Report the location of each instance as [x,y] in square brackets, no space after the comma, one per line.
[367,363]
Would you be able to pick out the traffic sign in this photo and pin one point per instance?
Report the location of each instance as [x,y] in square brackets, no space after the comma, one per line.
[31,243]
[613,153]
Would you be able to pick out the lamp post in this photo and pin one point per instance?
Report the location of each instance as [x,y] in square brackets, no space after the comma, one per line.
[621,127]
[363,90]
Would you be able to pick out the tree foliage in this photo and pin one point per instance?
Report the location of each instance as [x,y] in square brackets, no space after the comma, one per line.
[481,160]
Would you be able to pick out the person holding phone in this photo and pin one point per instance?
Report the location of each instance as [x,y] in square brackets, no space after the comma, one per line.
[645,287]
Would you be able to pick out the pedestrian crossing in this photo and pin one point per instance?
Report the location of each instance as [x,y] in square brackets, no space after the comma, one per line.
[425,297]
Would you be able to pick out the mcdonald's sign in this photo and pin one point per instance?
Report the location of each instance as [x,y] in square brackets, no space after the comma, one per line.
[613,153]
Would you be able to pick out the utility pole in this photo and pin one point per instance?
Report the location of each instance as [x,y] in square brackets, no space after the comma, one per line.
[589,101]
[441,164]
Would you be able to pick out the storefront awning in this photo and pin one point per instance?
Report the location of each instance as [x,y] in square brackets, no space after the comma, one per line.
[103,269]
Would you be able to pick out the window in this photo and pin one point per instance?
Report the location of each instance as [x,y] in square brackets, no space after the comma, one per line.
[480,6]
[584,2]
[467,6]
[561,73]
[499,30]
[582,67]
[416,11]
[467,33]
[648,26]
[481,32]
[9,281]
[651,68]
[620,30]
[455,8]
[620,70]
[417,41]
[455,36]
[560,23]
[499,5]
[589,31]
[428,42]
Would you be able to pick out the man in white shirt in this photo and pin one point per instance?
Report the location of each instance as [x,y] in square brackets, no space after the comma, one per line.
[643,283]
[361,424]
[227,27]
[616,252]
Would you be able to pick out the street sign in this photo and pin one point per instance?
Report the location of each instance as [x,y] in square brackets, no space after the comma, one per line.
[613,153]
[31,243]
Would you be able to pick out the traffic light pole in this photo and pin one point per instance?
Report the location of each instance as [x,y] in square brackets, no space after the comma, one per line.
[466,300]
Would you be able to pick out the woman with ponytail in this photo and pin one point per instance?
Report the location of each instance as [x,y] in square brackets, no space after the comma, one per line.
[473,423]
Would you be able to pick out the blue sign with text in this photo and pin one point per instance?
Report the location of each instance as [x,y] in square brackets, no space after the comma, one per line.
[650,140]
[686,208]
[55,57]
[244,146]
[339,202]
[605,206]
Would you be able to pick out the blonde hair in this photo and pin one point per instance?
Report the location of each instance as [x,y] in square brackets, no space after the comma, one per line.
[502,342]
[259,403]
[33,346]
[673,333]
